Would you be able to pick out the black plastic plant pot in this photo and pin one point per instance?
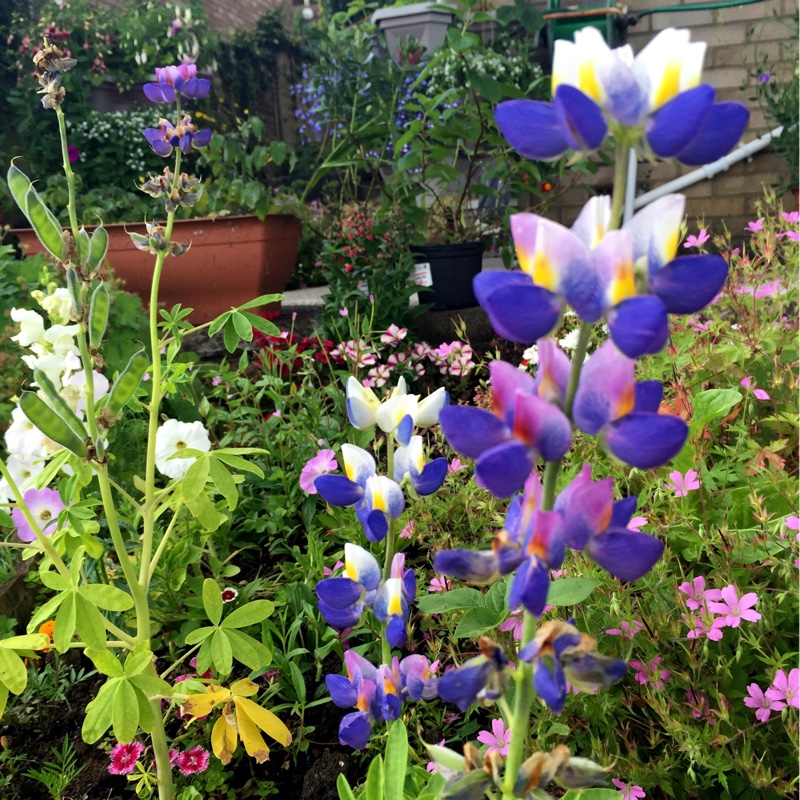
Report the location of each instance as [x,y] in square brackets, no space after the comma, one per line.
[447,270]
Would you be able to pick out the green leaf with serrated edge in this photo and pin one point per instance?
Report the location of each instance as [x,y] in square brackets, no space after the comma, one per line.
[199,635]
[51,424]
[147,719]
[98,713]
[105,662]
[65,623]
[476,622]
[108,597]
[249,614]
[450,601]
[19,184]
[12,671]
[223,482]
[97,248]
[373,789]
[90,623]
[195,479]
[152,686]
[261,300]
[221,652]
[343,788]
[46,612]
[125,716]
[45,225]
[212,600]
[396,761]
[136,663]
[238,463]
[249,651]
[570,591]
[54,580]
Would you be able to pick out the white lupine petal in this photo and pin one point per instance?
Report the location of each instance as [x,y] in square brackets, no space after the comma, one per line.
[656,230]
[362,403]
[394,409]
[359,465]
[428,410]
[593,221]
[361,566]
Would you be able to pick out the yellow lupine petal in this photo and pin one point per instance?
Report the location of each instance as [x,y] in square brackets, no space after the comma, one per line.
[223,739]
[267,721]
[669,85]
[588,83]
[251,737]
[244,688]
[542,272]
[200,705]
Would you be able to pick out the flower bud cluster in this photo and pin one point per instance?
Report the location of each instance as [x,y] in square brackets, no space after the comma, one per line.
[183,192]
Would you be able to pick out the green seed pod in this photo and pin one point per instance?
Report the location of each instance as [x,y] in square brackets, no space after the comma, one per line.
[97,248]
[60,405]
[44,223]
[98,315]
[83,245]
[19,184]
[51,424]
[128,382]
[74,287]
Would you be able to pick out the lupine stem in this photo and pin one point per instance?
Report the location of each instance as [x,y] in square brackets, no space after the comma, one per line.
[391,544]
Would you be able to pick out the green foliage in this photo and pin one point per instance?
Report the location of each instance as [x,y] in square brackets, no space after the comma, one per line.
[58,774]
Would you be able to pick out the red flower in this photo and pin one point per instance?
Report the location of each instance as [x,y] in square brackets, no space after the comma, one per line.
[124,758]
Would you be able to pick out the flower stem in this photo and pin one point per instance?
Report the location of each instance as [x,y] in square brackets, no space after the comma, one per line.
[70,175]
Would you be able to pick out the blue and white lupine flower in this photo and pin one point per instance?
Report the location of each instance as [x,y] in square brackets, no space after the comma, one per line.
[341,600]
[409,461]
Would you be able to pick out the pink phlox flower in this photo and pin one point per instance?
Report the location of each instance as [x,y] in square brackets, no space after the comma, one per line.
[702,628]
[651,674]
[514,624]
[407,532]
[455,466]
[321,464]
[700,707]
[683,485]
[124,757]
[698,594]
[394,335]
[698,326]
[439,585]
[229,594]
[791,523]
[763,705]
[734,609]
[629,792]
[755,226]
[792,236]
[431,767]
[759,393]
[343,312]
[216,380]
[636,523]
[498,740]
[785,689]
[626,629]
[769,289]
[194,760]
[697,241]
[792,217]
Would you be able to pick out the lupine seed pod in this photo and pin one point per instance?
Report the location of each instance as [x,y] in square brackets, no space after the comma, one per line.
[51,424]
[83,245]
[128,382]
[74,288]
[44,222]
[97,248]
[98,315]
[19,184]
[59,404]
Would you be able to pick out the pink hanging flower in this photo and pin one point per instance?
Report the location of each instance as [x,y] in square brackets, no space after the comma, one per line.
[194,760]
[321,464]
[124,757]
[759,393]
[498,740]
[629,792]
[683,485]
[697,241]
[785,689]
[763,705]
[734,609]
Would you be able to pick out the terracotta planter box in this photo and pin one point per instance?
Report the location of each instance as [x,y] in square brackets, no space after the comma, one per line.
[231,260]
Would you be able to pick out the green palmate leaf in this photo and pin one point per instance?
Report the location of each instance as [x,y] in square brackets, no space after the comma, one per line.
[343,788]
[108,597]
[248,651]
[13,674]
[249,614]
[477,621]
[203,510]
[450,601]
[46,612]
[151,686]
[261,324]
[5,519]
[44,222]
[89,623]
[219,323]
[223,482]
[221,652]
[195,479]
[238,463]
[212,600]
[99,712]
[230,336]
[54,580]
[4,699]
[65,623]
[374,784]
[147,719]
[711,404]
[569,591]
[125,715]
[137,662]
[396,761]
[196,636]
[105,662]
[242,326]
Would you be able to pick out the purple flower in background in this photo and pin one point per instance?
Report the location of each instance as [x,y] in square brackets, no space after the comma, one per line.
[681,484]
[764,77]
[650,673]
[759,394]
[626,629]
[181,79]
[785,689]
[184,136]
[698,594]
[514,624]
[792,217]
[321,464]
[73,153]
[44,506]
[697,241]
[700,707]
[763,705]
[498,740]
[755,226]
[629,792]
[734,609]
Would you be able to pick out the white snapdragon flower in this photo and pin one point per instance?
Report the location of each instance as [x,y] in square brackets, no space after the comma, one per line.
[31,327]
[174,436]
[61,339]
[58,306]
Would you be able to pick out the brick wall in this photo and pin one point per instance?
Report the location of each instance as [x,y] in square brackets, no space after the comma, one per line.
[737,39]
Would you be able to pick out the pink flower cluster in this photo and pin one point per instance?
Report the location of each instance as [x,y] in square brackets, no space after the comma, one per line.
[651,673]
[357,351]
[701,708]
[784,691]
[626,629]
[714,609]
[454,358]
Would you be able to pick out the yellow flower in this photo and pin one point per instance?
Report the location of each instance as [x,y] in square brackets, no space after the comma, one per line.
[245,721]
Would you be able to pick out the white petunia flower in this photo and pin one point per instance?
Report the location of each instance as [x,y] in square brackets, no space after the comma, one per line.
[174,436]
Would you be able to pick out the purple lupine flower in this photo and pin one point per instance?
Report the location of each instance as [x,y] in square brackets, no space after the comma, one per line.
[393,600]
[409,462]
[483,679]
[185,136]
[341,599]
[181,79]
